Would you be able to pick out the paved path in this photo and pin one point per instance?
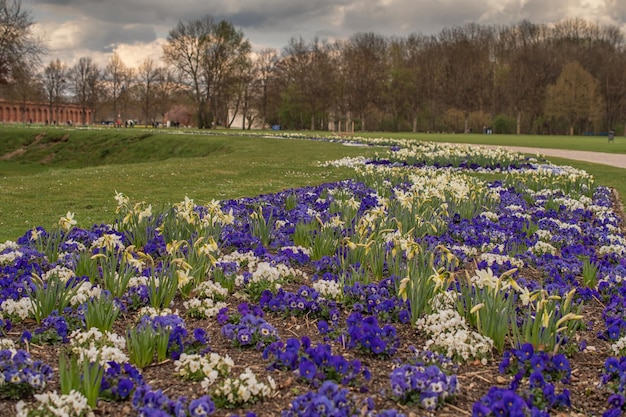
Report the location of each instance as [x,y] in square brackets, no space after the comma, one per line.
[612,159]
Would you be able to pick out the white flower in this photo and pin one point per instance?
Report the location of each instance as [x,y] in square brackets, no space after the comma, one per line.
[67,222]
[22,308]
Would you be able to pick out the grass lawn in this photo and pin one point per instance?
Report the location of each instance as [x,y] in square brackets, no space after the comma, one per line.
[39,193]
[45,172]
[577,143]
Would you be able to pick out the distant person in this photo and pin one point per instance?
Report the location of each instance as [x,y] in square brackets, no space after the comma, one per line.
[611,135]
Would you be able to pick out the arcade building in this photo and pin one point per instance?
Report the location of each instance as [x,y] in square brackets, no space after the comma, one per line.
[43,113]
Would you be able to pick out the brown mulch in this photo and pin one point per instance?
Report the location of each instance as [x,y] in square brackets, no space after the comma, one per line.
[475,379]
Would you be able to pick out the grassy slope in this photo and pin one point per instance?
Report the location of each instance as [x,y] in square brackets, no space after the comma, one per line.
[40,195]
[42,184]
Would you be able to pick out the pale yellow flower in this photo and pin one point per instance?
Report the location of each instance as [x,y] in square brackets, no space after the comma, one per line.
[67,222]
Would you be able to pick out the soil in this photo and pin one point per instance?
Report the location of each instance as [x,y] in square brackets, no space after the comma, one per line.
[475,379]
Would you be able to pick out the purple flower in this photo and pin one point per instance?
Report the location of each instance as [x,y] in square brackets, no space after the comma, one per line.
[202,406]
[307,369]
[244,337]
[26,336]
[612,365]
[616,400]
[536,380]
[322,327]
[525,352]
[614,332]
[199,336]
[124,388]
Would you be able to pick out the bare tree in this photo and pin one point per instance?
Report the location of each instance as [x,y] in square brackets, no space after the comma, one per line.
[207,57]
[365,73]
[54,84]
[184,51]
[400,89]
[147,76]
[310,80]
[113,76]
[468,70]
[164,88]
[85,80]
[265,64]
[240,92]
[225,59]
[520,87]
[24,88]
[19,47]
[128,93]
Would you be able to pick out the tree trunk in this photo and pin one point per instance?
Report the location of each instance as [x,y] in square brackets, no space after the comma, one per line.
[519,122]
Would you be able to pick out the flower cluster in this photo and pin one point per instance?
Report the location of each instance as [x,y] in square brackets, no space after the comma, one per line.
[427,386]
[614,379]
[328,289]
[203,368]
[120,381]
[18,310]
[20,376]
[329,400]
[525,361]
[250,330]
[450,334]
[500,402]
[5,326]
[365,334]
[377,299]
[314,364]
[203,308]
[245,388]
[208,300]
[148,402]
[264,275]
[542,370]
[73,404]
[179,339]
[305,301]
[53,329]
[98,346]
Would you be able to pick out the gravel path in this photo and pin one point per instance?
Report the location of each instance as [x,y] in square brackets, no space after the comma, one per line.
[612,159]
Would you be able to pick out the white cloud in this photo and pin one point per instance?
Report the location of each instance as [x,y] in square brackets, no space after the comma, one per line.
[133,55]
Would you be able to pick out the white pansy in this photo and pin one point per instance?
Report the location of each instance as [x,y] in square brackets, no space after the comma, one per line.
[542,248]
[21,308]
[494,258]
[73,404]
[328,289]
[450,334]
[203,307]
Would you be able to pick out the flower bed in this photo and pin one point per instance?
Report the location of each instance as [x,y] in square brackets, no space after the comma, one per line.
[414,287]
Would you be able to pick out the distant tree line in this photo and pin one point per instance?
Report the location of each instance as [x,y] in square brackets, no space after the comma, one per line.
[566,77]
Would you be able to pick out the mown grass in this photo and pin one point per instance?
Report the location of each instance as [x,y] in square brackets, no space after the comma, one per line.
[80,170]
[577,143]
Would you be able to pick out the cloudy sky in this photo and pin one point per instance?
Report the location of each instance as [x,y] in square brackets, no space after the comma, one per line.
[136,29]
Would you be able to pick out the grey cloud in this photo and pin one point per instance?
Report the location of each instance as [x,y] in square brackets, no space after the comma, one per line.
[107,35]
[274,22]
